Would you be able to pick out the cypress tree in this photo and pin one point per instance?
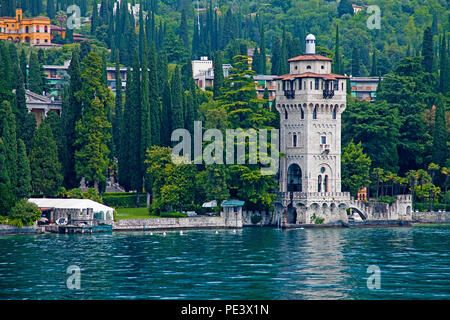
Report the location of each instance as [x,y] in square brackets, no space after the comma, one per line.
[35,77]
[141,35]
[134,108]
[439,154]
[71,114]
[355,62]
[146,124]
[155,107]
[434,25]
[51,11]
[276,57]
[374,71]
[444,68]
[218,75]
[8,135]
[177,120]
[7,198]
[93,130]
[21,106]
[337,54]
[5,73]
[427,50]
[125,127]
[166,101]
[256,61]
[118,116]
[262,51]
[45,167]
[23,188]
[23,66]
[284,53]
[184,35]
[95,19]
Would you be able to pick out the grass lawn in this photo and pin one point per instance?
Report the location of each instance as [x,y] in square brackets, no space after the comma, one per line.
[133,213]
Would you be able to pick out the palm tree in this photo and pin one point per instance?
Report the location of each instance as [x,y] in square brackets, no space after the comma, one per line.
[61,17]
[432,169]
[379,173]
[412,176]
[445,171]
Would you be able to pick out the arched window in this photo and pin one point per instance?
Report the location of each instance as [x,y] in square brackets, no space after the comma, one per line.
[315,113]
[294,178]
[302,113]
[285,114]
[325,184]
[45,29]
[334,113]
[319,184]
[294,140]
[308,67]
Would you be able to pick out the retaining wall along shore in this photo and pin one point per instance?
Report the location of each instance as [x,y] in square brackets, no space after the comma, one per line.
[223,221]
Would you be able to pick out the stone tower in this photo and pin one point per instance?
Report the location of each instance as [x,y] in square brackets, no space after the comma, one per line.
[310,100]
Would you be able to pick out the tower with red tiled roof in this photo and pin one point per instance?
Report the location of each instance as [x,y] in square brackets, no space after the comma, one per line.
[310,100]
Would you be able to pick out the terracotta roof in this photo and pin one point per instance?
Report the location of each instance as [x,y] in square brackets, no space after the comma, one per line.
[328,76]
[310,57]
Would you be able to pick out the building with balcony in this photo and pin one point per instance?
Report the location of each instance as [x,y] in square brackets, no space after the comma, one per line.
[35,31]
[364,88]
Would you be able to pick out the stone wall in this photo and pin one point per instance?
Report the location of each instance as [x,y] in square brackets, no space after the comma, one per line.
[9,229]
[222,221]
[260,218]
[432,217]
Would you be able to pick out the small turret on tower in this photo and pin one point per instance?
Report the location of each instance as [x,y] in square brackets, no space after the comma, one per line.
[310,42]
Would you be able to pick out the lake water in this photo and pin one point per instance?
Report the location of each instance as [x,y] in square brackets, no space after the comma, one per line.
[253,263]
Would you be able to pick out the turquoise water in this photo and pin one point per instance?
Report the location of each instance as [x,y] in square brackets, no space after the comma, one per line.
[254,263]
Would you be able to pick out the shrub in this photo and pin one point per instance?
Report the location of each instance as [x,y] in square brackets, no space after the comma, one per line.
[173,215]
[24,211]
[124,200]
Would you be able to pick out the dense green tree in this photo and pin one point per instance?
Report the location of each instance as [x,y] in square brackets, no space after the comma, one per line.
[242,107]
[46,176]
[344,7]
[377,127]
[355,168]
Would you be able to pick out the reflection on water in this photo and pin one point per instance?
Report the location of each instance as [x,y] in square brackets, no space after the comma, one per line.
[254,263]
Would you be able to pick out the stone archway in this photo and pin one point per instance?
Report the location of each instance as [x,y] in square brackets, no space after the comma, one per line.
[292,214]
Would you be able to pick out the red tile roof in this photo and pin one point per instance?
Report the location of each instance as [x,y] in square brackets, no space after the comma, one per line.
[329,76]
[310,57]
